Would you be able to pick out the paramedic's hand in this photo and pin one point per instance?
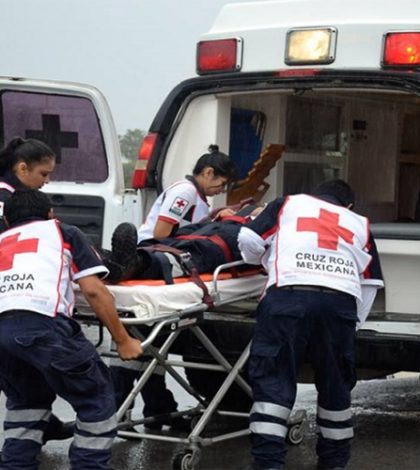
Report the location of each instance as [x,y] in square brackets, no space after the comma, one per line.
[224,213]
[130,348]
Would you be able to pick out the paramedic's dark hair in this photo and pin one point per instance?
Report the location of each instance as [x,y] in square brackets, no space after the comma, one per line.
[338,189]
[219,161]
[25,204]
[30,151]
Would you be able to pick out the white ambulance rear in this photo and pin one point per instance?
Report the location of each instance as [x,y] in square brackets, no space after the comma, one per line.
[337,83]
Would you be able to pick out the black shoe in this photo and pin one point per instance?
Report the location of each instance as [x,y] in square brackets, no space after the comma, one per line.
[59,432]
[322,466]
[124,261]
[254,466]
[179,423]
[124,243]
[331,468]
[116,271]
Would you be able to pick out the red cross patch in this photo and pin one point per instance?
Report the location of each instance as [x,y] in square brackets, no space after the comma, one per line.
[179,206]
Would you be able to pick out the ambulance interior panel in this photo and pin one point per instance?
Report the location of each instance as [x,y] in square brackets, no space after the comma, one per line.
[368,138]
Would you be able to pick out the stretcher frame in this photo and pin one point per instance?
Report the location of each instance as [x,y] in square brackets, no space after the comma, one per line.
[205,410]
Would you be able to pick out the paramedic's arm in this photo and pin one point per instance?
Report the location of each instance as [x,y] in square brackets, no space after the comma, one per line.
[178,204]
[251,246]
[85,267]
[163,229]
[365,305]
[253,239]
[371,281]
[102,303]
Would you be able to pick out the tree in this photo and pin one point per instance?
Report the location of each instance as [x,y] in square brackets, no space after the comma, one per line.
[130,143]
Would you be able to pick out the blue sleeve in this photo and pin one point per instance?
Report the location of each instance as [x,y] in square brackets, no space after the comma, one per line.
[374,270]
[4,196]
[85,259]
[265,223]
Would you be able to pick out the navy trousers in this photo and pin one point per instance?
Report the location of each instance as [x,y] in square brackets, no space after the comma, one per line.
[42,357]
[293,325]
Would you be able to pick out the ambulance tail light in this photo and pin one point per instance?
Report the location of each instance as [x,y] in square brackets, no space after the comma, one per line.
[142,164]
[220,55]
[401,49]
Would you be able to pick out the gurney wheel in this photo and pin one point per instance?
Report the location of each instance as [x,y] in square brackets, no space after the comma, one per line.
[295,434]
[185,461]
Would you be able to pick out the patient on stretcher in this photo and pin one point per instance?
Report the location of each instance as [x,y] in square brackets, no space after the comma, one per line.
[204,246]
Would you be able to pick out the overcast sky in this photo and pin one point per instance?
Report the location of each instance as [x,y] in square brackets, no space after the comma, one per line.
[134,51]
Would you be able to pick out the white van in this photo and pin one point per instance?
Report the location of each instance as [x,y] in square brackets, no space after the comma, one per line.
[300,90]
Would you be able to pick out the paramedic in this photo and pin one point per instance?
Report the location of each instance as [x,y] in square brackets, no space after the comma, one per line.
[182,203]
[185,201]
[323,274]
[44,352]
[24,163]
[28,164]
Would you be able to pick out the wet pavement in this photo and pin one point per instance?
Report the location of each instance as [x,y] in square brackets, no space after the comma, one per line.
[387,430]
[386,419]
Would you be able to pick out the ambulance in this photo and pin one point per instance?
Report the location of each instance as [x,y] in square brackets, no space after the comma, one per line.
[296,92]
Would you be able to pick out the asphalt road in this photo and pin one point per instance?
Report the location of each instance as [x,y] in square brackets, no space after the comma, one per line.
[387,430]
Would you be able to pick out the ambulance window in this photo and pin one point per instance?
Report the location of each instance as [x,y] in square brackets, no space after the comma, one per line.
[68,124]
[246,137]
[301,177]
[312,125]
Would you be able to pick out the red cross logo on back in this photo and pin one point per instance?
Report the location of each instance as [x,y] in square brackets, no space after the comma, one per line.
[11,246]
[327,228]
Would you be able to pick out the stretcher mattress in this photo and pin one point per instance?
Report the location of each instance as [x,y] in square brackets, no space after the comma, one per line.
[150,299]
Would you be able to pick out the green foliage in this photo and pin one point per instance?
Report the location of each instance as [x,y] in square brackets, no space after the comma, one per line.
[130,143]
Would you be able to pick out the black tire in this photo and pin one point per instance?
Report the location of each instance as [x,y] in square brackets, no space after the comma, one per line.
[183,461]
[295,434]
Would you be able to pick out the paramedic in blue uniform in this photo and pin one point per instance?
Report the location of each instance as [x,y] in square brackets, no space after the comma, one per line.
[182,203]
[28,163]
[43,350]
[323,274]
[24,163]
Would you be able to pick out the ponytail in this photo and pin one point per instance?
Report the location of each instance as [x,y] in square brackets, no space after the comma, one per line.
[29,151]
[219,161]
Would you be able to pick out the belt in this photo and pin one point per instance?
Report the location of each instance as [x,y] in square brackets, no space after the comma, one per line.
[14,313]
[299,287]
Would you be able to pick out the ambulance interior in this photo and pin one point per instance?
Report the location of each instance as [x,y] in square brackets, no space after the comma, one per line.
[370,138]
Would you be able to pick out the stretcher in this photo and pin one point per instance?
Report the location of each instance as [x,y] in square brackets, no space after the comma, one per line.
[168,310]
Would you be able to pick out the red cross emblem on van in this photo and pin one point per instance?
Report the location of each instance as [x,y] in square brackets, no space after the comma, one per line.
[327,228]
[11,246]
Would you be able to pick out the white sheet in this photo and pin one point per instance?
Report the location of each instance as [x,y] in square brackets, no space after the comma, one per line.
[150,302]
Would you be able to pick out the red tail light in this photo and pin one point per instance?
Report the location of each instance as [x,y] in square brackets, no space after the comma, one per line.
[402,49]
[221,55]
[142,164]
